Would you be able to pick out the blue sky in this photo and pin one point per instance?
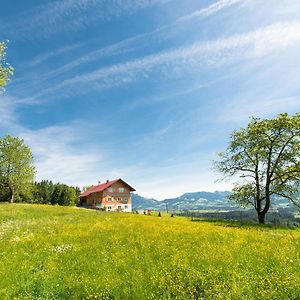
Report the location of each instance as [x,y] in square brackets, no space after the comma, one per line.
[145,90]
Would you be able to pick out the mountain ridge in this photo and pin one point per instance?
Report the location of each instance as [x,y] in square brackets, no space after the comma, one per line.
[202,200]
[187,201]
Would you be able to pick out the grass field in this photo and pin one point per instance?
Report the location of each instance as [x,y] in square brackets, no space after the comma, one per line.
[68,253]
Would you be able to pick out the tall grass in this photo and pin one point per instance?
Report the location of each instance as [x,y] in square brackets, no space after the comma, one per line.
[67,253]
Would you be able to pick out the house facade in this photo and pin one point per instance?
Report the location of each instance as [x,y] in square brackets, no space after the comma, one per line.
[112,195]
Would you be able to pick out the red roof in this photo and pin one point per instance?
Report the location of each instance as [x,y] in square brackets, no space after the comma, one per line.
[101,187]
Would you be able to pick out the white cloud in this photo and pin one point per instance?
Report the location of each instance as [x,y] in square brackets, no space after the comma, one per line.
[114,49]
[207,11]
[60,155]
[73,14]
[59,152]
[46,56]
[123,45]
[255,44]
[8,114]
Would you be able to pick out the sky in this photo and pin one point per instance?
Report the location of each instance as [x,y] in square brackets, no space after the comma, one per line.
[144,90]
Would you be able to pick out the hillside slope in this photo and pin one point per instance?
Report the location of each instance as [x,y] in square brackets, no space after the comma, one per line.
[51,252]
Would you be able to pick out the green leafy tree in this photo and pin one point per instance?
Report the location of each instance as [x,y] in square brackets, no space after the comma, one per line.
[68,196]
[43,191]
[56,195]
[6,70]
[64,195]
[16,166]
[27,195]
[264,157]
[4,194]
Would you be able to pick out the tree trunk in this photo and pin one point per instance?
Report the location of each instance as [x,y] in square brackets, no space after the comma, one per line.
[262,213]
[12,195]
[261,217]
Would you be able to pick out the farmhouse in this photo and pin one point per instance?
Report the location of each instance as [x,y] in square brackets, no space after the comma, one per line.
[111,196]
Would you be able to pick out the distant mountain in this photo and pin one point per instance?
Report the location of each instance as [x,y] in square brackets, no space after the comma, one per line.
[196,201]
[139,202]
[188,201]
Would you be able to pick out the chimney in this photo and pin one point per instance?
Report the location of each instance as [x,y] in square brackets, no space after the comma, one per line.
[99,182]
[107,181]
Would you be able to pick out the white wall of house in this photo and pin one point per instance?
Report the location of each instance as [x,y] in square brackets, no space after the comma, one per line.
[118,207]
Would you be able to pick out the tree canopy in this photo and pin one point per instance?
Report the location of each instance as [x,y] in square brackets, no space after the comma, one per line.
[46,192]
[264,157]
[6,70]
[16,166]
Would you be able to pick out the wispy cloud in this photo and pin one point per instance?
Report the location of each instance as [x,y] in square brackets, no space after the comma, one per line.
[58,156]
[61,155]
[251,45]
[7,112]
[154,99]
[55,148]
[210,10]
[73,14]
[46,56]
[123,46]
[120,48]
[47,17]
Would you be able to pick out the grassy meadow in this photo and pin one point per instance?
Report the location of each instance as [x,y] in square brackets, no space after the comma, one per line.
[51,252]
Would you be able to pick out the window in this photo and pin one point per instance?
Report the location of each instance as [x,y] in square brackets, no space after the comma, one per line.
[121,190]
[110,189]
[109,199]
[126,206]
[119,199]
[109,207]
[126,199]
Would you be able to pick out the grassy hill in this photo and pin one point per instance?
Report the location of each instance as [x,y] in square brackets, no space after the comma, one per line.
[69,253]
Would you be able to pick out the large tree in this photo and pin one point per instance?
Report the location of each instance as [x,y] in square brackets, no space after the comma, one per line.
[264,158]
[5,69]
[64,195]
[43,191]
[16,166]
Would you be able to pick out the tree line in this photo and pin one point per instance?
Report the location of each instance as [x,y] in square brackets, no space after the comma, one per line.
[47,192]
[44,192]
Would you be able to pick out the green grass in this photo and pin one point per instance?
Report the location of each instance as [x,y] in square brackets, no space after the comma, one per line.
[68,253]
